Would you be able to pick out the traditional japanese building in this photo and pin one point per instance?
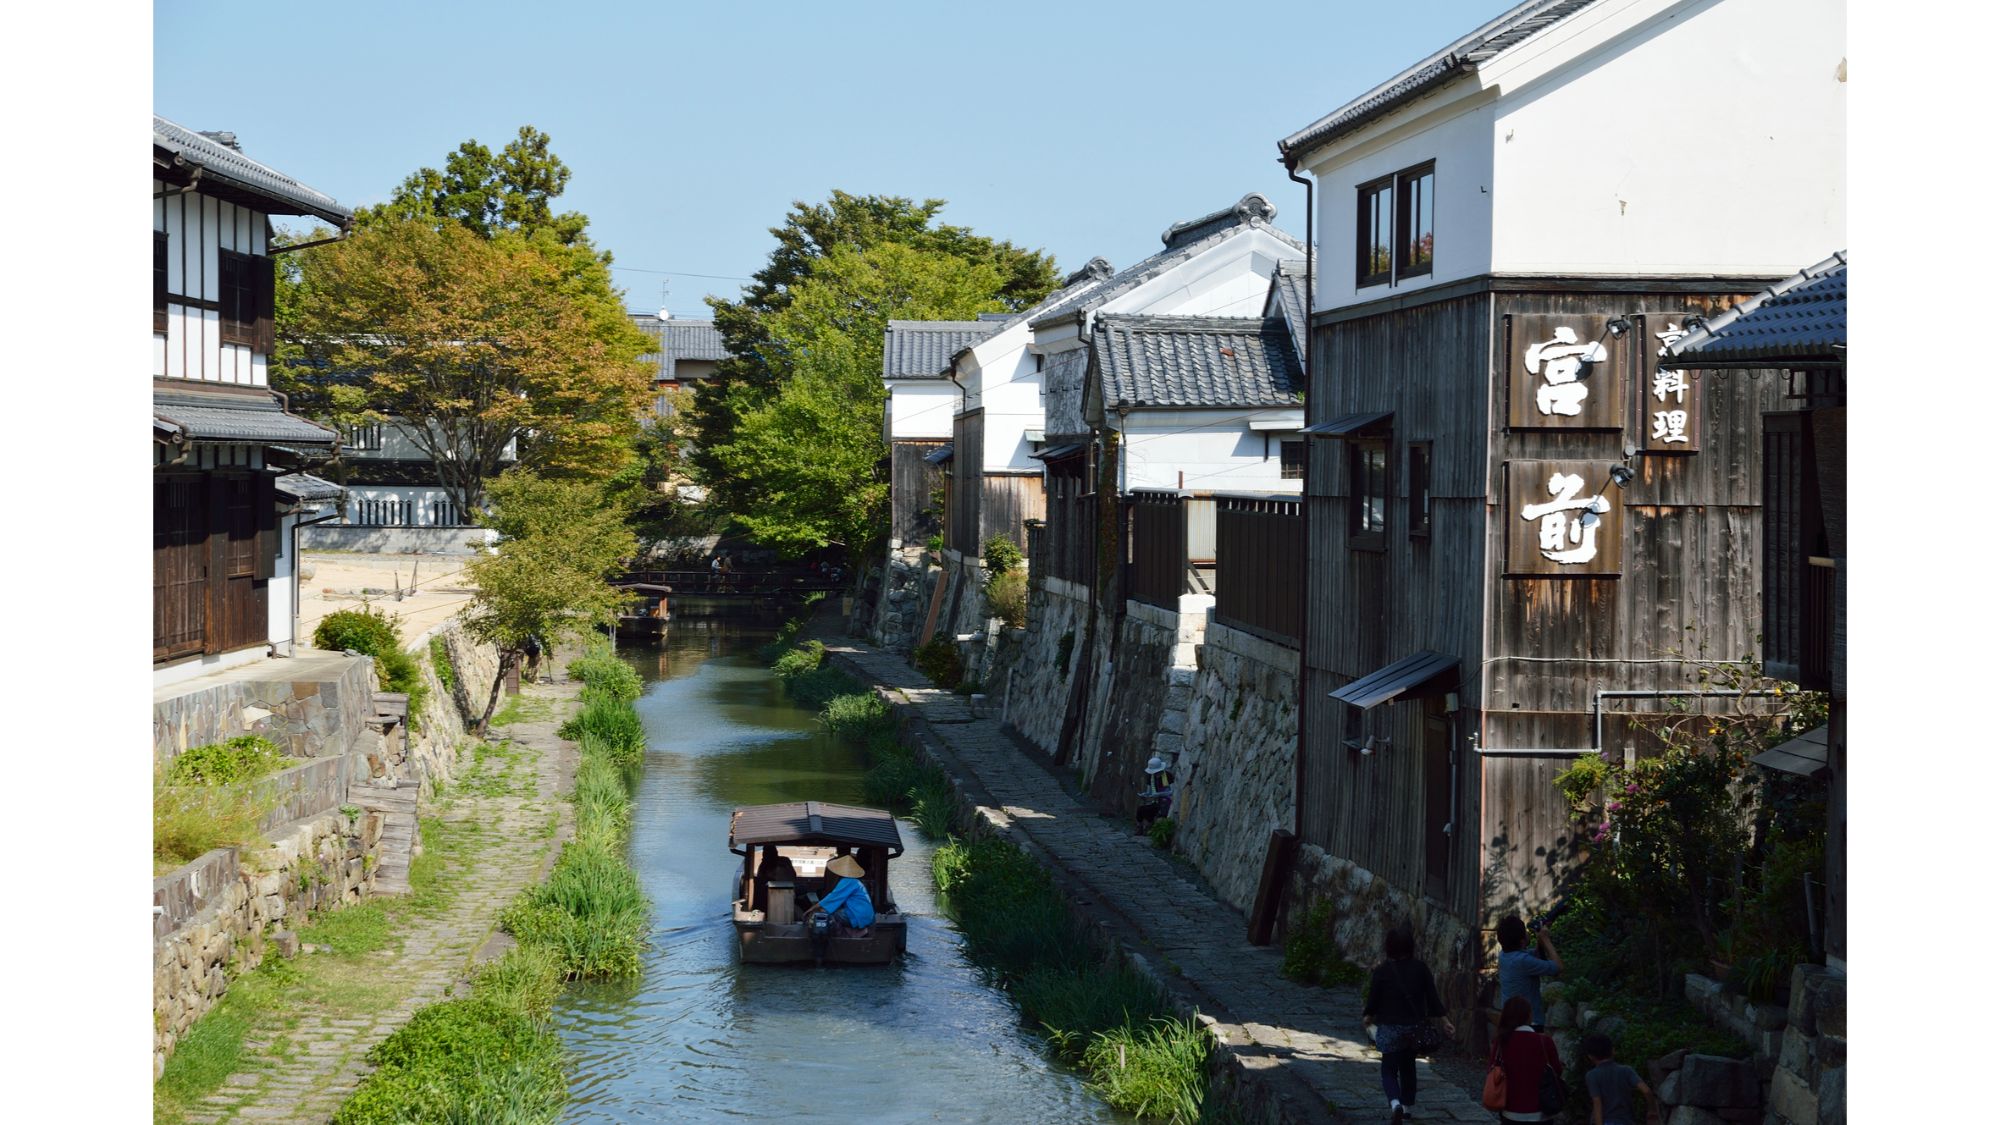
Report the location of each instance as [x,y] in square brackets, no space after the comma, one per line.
[227,492]
[1519,527]
[685,352]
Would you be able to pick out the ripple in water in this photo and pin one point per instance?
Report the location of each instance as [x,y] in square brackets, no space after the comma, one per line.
[698,1037]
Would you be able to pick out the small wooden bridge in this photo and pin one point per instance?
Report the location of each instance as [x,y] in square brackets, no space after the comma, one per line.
[740,584]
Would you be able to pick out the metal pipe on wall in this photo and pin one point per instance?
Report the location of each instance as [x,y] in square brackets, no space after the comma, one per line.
[1597,720]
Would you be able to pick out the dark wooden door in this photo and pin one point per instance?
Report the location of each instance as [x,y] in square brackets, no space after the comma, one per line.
[238,597]
[1437,800]
[180,565]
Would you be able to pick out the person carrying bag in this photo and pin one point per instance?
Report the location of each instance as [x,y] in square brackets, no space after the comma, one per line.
[1528,1084]
[1402,1001]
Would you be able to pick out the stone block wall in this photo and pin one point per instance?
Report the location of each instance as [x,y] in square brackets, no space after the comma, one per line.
[1801,1046]
[1237,753]
[1028,675]
[901,601]
[430,747]
[241,900]
[318,713]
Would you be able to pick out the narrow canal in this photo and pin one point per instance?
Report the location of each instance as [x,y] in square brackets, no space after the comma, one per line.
[698,1036]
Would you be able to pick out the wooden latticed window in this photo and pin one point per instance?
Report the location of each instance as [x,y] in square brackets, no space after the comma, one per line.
[1292,459]
[246,293]
[159,281]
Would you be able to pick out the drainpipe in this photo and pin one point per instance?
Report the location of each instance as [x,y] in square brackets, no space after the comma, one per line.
[298,562]
[1597,720]
[1305,532]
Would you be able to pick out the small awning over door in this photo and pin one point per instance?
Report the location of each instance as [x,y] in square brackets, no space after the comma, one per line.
[938,456]
[1804,755]
[1426,673]
[1057,452]
[1348,425]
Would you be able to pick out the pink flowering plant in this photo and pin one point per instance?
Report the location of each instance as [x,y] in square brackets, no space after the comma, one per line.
[1673,840]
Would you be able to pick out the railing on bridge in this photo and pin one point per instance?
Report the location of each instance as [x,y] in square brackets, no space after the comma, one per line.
[739,583]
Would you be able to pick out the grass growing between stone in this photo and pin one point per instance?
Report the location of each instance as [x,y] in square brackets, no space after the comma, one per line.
[349,980]
[1311,957]
[491,1056]
[1099,1014]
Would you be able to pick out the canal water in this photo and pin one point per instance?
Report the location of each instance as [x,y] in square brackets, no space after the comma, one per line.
[699,1037]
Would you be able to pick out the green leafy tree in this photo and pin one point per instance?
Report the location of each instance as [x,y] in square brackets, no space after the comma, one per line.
[763,359]
[414,266]
[545,577]
[799,469]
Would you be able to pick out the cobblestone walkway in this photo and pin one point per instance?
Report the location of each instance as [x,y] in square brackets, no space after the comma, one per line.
[1303,1045]
[303,1062]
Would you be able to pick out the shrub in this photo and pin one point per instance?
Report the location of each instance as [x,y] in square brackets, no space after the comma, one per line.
[938,659]
[373,633]
[800,660]
[462,1061]
[1157,1071]
[243,758]
[855,717]
[190,820]
[1007,598]
[600,670]
[1312,958]
[1161,832]
[1001,556]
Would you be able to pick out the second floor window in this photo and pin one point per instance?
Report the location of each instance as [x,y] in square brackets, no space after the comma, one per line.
[1292,459]
[159,281]
[1395,227]
[245,296]
[1420,488]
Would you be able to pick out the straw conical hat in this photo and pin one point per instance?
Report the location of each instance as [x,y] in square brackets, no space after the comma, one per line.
[845,866]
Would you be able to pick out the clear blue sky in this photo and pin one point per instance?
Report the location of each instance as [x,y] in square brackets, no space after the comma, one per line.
[1077,128]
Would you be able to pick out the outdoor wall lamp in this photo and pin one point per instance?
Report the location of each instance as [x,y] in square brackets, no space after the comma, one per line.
[1621,475]
[1367,745]
[1618,326]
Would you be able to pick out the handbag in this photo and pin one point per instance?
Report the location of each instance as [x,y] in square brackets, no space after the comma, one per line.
[1553,1094]
[1494,1095]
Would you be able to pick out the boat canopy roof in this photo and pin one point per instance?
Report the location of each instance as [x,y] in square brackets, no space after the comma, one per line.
[814,822]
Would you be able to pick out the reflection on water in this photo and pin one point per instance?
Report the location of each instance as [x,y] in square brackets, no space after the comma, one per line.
[698,1036]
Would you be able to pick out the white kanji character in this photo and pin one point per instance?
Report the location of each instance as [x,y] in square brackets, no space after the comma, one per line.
[1567,362]
[1567,538]
[1667,339]
[1670,426]
[1673,383]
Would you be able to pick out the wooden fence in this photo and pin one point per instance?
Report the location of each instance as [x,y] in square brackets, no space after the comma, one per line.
[1259,565]
[1158,541]
[1072,525]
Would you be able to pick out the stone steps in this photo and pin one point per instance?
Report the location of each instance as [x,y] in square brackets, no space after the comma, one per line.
[398,806]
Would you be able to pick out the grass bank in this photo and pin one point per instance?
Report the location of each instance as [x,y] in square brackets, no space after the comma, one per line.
[491,1056]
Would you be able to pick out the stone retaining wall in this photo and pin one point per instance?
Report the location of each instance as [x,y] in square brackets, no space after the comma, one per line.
[1030,675]
[900,603]
[1237,756]
[305,717]
[1801,1047]
[238,901]
[430,746]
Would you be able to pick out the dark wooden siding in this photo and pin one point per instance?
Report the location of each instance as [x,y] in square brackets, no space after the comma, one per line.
[1158,547]
[913,517]
[1259,565]
[1072,521]
[214,552]
[968,432]
[1533,652]
[180,564]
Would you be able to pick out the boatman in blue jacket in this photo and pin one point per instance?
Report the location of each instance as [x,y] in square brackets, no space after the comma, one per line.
[847,905]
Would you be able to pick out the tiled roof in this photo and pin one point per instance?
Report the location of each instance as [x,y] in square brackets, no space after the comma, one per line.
[922,349]
[1183,241]
[254,418]
[1290,300]
[676,340]
[219,162]
[1196,361]
[305,486]
[1508,29]
[1093,273]
[1801,320]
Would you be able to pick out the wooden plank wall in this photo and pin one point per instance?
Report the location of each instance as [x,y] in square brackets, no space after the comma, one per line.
[968,458]
[1006,501]
[912,480]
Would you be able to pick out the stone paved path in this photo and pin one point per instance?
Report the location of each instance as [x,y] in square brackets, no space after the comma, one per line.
[303,1072]
[1303,1046]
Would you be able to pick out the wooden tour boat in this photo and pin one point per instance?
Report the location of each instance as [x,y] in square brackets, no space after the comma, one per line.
[771,903]
[647,614]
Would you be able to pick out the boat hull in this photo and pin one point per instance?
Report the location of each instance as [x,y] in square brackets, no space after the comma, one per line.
[761,943]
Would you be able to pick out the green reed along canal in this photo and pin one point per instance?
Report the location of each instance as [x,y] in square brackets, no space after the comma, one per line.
[699,1037]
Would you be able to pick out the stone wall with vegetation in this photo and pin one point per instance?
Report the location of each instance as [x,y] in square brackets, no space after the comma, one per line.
[1237,754]
[902,600]
[1800,1052]
[243,902]
[304,717]
[459,672]
[1031,672]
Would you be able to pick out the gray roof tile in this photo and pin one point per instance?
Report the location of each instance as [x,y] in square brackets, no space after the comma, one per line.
[676,340]
[1196,361]
[254,418]
[220,162]
[922,349]
[1801,320]
[1290,301]
[1508,29]
[1182,242]
[305,486]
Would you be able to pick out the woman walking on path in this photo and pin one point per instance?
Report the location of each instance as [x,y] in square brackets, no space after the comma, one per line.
[1524,1054]
[1402,1000]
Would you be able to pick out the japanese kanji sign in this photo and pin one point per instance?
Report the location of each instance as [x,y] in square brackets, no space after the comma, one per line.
[1565,372]
[1563,518]
[1669,401]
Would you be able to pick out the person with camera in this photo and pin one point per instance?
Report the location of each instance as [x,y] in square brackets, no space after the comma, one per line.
[1401,1002]
[1521,972]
